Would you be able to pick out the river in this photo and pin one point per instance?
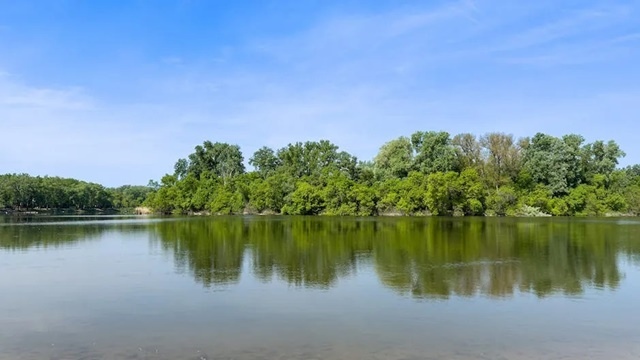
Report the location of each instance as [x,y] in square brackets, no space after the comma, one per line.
[110,287]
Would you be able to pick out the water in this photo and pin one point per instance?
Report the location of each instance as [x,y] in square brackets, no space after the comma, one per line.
[319,288]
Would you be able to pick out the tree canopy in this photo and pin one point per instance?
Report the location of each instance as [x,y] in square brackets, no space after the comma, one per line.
[21,191]
[428,172]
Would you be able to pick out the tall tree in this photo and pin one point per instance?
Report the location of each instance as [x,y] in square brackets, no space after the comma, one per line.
[545,159]
[434,152]
[468,151]
[265,161]
[573,156]
[222,159]
[603,157]
[395,158]
[181,168]
[313,158]
[502,158]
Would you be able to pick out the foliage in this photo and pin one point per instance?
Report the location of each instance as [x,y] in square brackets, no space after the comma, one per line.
[128,196]
[395,158]
[434,152]
[24,192]
[426,173]
[221,159]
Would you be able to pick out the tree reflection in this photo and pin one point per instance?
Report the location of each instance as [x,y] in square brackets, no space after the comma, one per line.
[24,233]
[212,251]
[421,257]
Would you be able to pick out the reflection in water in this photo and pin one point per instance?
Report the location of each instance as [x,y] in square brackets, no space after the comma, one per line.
[426,258]
[23,233]
[25,237]
[117,295]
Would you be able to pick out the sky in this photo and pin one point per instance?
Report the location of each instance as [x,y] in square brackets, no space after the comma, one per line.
[115,92]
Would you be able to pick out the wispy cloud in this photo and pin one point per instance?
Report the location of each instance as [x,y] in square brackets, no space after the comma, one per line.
[627,38]
[572,24]
[67,133]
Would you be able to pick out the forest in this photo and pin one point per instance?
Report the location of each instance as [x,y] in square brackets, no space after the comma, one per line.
[24,192]
[427,173]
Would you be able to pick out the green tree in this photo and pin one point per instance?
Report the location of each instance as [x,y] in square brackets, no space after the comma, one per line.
[265,161]
[395,158]
[222,159]
[468,151]
[502,156]
[502,201]
[305,200]
[434,152]
[602,158]
[443,193]
[545,158]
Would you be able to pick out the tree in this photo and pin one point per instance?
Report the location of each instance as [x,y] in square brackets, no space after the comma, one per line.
[412,193]
[472,192]
[502,158]
[265,161]
[434,152]
[305,200]
[502,201]
[395,158]
[443,193]
[314,159]
[426,173]
[181,168]
[337,196]
[602,158]
[468,151]
[545,158]
[574,157]
[223,160]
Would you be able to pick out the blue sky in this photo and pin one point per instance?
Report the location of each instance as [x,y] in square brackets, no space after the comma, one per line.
[116,91]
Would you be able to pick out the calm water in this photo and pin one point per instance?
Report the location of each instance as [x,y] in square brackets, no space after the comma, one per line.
[319,288]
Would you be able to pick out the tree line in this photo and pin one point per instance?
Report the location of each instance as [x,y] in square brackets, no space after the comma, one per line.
[25,192]
[426,173]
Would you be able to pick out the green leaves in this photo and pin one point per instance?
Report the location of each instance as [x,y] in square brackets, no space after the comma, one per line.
[221,159]
[265,161]
[434,152]
[395,158]
[305,200]
[21,191]
[427,173]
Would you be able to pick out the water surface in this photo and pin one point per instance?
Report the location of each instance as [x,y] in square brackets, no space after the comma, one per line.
[319,288]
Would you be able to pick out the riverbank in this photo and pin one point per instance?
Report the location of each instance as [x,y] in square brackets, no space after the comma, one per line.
[46,211]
